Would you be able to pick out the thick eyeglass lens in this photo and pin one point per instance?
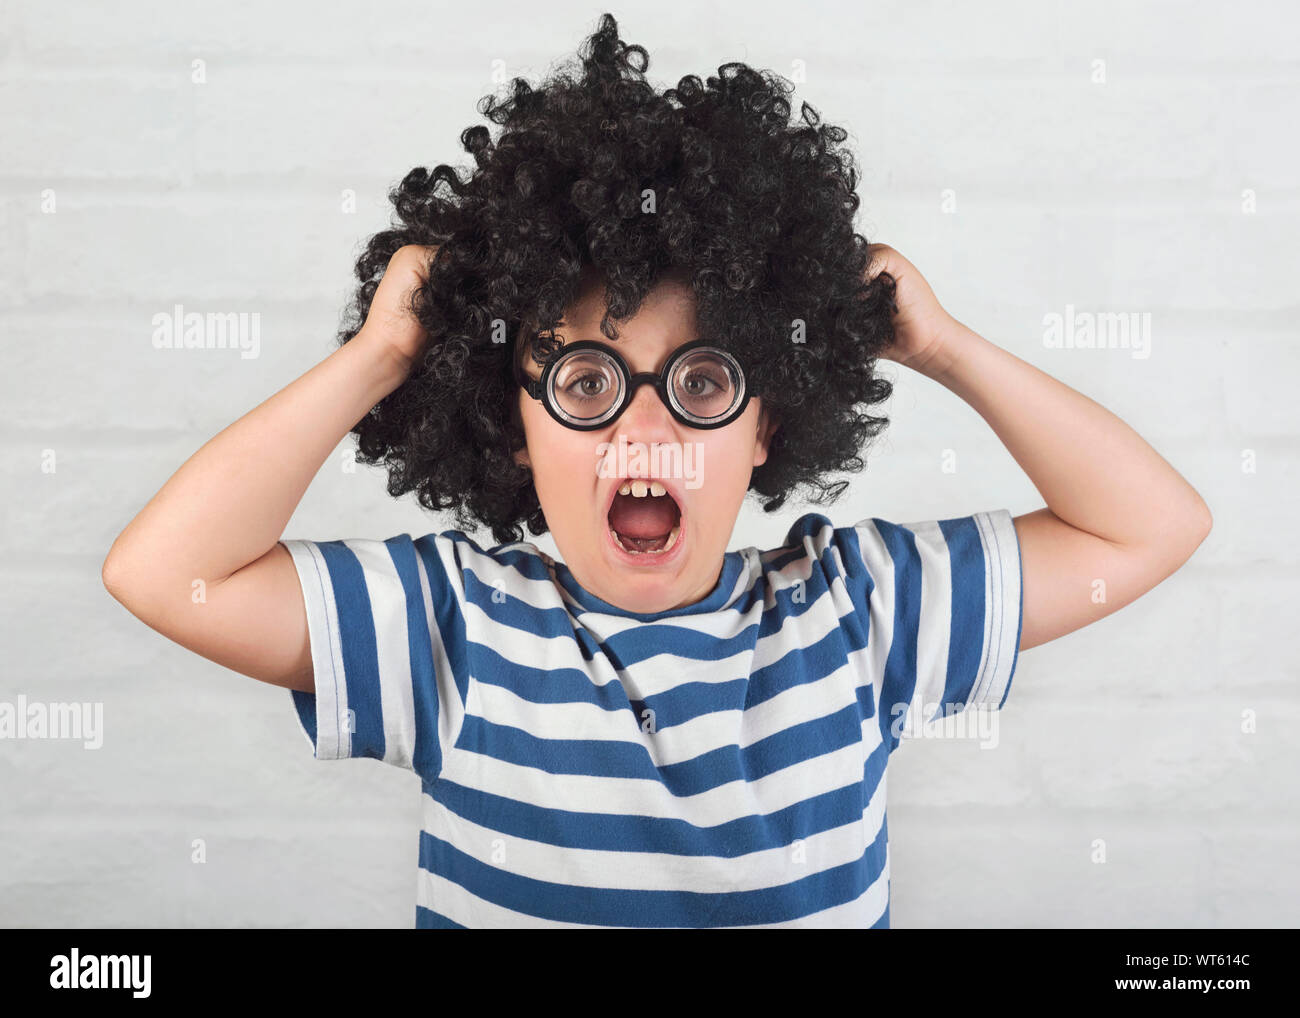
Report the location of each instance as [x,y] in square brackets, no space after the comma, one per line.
[706,385]
[586,385]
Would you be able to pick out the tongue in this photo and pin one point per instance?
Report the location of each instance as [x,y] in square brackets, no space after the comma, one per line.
[643,517]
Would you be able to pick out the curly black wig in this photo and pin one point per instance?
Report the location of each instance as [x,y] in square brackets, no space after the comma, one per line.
[712,180]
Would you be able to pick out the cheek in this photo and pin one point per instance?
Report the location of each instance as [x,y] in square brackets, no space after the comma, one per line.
[564,461]
[725,467]
[733,457]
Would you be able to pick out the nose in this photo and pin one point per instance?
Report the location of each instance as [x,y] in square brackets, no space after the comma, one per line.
[646,418]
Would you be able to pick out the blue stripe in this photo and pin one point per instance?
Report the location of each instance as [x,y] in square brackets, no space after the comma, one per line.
[502,605]
[800,666]
[446,613]
[966,642]
[643,642]
[427,919]
[556,684]
[305,705]
[623,832]
[360,657]
[692,700]
[1020,616]
[675,706]
[617,759]
[899,681]
[603,906]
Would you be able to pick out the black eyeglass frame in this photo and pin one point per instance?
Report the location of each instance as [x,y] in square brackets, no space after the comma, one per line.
[538,388]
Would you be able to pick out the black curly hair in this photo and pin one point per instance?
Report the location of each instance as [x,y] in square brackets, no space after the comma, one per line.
[711,181]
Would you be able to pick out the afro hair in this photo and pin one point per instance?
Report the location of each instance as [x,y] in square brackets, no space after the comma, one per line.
[712,181]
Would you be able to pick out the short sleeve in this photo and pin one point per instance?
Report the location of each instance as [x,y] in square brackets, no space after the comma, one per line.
[944,606]
[376,614]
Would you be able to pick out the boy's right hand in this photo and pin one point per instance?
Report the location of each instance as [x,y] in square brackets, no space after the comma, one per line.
[390,324]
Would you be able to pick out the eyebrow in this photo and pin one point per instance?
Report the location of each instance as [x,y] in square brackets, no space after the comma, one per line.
[570,335]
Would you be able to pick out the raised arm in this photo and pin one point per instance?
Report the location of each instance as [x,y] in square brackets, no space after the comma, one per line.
[219,518]
[1116,511]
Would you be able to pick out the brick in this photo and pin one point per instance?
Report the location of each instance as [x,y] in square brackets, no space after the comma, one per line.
[56,129]
[139,874]
[993,868]
[223,731]
[229,255]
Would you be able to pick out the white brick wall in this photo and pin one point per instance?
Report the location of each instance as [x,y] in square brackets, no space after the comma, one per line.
[1124,195]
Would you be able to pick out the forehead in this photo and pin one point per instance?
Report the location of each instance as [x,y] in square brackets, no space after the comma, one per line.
[670,305]
[665,321]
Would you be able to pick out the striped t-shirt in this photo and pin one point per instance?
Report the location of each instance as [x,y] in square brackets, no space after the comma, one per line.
[719,764]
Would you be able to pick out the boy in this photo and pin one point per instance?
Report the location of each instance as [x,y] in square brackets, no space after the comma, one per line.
[656,731]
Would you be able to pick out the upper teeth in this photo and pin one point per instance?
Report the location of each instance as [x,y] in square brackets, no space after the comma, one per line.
[639,489]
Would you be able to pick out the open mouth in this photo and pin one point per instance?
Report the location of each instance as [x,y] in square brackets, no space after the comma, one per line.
[644,518]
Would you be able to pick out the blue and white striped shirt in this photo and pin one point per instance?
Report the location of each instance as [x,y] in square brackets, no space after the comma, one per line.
[721,764]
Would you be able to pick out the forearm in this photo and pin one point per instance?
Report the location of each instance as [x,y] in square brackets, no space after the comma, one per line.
[1093,470]
[228,504]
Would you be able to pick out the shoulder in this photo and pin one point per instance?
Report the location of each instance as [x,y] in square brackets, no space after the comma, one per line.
[855,554]
[815,536]
[814,550]
[471,564]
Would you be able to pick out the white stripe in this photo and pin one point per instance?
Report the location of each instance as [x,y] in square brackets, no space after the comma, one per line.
[460,906]
[718,729]
[649,797]
[333,740]
[982,676]
[658,871]
[641,797]
[1002,622]
[656,674]
[861,913]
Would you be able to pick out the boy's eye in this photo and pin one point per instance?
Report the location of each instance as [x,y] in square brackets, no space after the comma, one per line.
[699,384]
[705,388]
[588,385]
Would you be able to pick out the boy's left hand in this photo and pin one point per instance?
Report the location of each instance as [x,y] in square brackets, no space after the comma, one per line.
[921,323]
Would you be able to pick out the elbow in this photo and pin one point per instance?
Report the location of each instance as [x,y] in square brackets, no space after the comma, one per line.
[111,575]
[1194,532]
[1178,539]
[1204,522]
[114,574]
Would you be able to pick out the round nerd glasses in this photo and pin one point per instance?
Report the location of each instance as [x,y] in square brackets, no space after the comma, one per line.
[587,385]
